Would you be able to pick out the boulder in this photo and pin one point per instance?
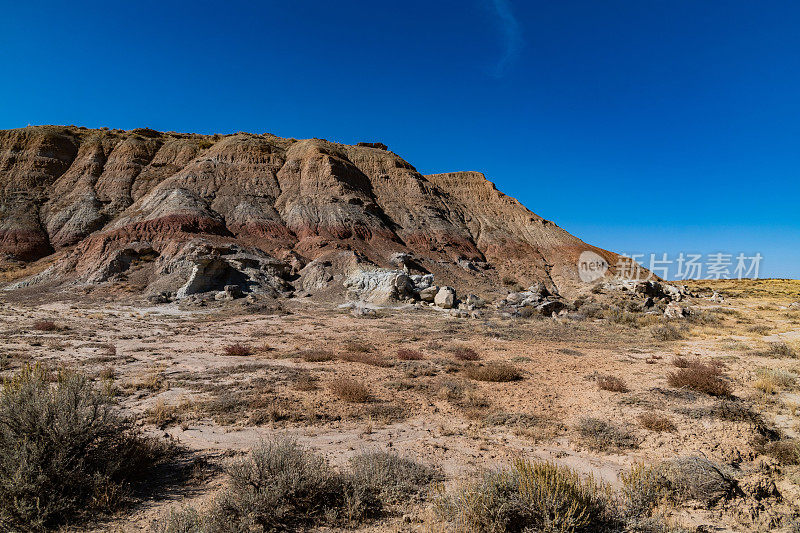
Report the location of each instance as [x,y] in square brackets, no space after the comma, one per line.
[421,281]
[473,302]
[551,307]
[223,296]
[539,289]
[159,298]
[445,298]
[234,291]
[379,286]
[675,310]
[428,294]
[515,297]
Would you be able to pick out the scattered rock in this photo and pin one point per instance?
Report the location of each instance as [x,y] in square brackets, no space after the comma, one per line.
[675,310]
[379,286]
[473,302]
[428,294]
[550,307]
[445,298]
[159,298]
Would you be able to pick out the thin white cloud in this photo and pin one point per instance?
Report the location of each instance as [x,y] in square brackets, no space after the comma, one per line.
[512,35]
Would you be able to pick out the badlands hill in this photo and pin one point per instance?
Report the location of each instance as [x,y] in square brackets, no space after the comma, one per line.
[260,211]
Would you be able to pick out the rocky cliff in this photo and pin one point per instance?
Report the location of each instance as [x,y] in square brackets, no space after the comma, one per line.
[152,208]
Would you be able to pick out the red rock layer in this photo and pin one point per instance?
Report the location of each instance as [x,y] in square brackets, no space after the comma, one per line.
[103,189]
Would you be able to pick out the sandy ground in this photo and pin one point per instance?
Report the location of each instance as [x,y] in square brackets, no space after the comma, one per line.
[168,367]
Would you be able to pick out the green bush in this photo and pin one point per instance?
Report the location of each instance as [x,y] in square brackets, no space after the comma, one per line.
[64,452]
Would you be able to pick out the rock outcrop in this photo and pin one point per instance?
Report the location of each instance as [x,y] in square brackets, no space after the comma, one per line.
[282,213]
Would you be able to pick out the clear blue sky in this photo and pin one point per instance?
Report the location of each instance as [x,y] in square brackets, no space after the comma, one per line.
[640,126]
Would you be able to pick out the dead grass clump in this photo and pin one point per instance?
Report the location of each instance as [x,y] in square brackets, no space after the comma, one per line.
[465,354]
[358,347]
[611,383]
[45,325]
[305,382]
[108,350]
[603,436]
[666,332]
[162,414]
[656,422]
[761,329]
[493,372]
[350,390]
[152,380]
[237,349]
[405,354]
[316,356]
[65,454]
[701,377]
[620,316]
[366,359]
[681,362]
[779,350]
[772,380]
[786,451]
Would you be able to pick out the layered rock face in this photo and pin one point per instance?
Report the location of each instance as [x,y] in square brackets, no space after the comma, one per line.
[109,201]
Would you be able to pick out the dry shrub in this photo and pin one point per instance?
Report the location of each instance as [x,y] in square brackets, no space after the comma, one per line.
[611,383]
[779,349]
[109,350]
[681,362]
[152,380]
[493,372]
[305,383]
[701,377]
[394,478]
[237,349]
[603,436]
[761,329]
[405,354]
[316,356]
[666,332]
[465,354]
[771,380]
[45,325]
[283,487]
[656,422]
[350,390]
[530,496]
[65,454]
[786,451]
[366,359]
[358,347]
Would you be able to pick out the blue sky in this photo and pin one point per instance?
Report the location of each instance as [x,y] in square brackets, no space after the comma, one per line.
[640,126]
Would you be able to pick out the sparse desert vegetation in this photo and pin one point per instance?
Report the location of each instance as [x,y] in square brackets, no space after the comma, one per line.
[585,423]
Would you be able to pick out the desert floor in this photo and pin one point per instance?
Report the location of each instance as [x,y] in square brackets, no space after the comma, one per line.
[169,367]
